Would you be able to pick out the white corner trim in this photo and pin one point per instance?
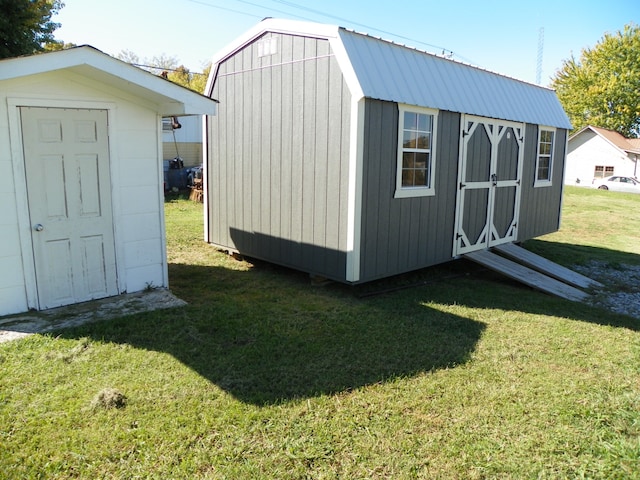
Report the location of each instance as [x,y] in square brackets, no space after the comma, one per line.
[206,141]
[344,62]
[354,200]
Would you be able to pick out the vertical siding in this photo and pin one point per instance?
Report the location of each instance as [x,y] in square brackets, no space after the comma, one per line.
[403,234]
[540,207]
[279,151]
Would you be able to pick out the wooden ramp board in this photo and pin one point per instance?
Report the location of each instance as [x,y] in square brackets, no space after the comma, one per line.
[525,275]
[541,264]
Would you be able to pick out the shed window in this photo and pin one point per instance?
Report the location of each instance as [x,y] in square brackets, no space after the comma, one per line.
[416,151]
[544,163]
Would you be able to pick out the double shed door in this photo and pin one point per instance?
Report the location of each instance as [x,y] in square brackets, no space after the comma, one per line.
[69,196]
[489,181]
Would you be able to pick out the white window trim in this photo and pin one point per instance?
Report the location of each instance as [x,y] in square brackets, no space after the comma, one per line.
[549,182]
[409,192]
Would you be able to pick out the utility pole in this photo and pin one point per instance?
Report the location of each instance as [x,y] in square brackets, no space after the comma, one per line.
[540,51]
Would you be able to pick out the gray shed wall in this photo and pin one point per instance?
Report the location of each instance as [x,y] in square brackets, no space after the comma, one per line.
[540,206]
[279,166]
[404,234]
[278,161]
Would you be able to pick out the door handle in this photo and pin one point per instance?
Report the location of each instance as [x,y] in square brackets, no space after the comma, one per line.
[38,227]
[494,179]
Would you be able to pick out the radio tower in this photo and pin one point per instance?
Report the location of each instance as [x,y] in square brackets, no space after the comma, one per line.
[540,51]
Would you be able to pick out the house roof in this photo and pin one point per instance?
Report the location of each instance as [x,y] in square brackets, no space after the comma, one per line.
[626,145]
[384,70]
[170,98]
[635,143]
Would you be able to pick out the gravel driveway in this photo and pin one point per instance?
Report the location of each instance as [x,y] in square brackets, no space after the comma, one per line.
[622,291]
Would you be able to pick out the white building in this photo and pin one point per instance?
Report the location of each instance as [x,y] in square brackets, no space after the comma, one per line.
[81,177]
[184,142]
[597,153]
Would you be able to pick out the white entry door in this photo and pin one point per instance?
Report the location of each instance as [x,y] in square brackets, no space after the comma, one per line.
[69,195]
[490,171]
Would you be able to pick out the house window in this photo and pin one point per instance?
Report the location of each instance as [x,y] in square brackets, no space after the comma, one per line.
[416,151]
[544,162]
[602,171]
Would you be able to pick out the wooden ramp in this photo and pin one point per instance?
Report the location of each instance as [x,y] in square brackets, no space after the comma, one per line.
[526,275]
[541,264]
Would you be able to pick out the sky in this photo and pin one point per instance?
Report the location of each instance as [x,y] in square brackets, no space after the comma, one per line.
[497,35]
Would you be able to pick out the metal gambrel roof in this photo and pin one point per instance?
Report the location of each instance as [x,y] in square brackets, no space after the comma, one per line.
[393,72]
[383,70]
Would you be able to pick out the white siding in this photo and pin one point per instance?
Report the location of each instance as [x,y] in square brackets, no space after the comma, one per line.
[189,132]
[588,150]
[136,175]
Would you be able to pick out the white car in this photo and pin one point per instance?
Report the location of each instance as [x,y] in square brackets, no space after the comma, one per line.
[618,184]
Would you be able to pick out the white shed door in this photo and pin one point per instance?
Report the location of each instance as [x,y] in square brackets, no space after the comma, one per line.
[490,172]
[69,194]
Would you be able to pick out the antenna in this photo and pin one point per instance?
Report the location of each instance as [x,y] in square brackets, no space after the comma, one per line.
[540,51]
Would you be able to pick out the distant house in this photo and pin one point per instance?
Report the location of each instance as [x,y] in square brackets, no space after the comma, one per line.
[184,142]
[354,158]
[597,153]
[81,177]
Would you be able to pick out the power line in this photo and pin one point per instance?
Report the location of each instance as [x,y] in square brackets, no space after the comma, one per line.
[368,27]
[206,4]
[445,51]
[224,8]
[155,67]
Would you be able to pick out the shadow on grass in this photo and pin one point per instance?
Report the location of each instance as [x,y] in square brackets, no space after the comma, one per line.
[267,336]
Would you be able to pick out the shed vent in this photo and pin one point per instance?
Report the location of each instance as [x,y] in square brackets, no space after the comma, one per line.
[267,46]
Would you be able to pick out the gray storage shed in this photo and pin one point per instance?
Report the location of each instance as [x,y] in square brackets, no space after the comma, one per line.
[355,158]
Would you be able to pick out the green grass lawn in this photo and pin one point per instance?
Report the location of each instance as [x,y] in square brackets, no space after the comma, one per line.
[263,375]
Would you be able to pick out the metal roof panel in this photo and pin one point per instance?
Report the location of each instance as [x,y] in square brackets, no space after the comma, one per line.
[393,72]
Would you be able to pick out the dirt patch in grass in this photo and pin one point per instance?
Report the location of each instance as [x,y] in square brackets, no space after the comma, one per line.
[18,326]
[109,398]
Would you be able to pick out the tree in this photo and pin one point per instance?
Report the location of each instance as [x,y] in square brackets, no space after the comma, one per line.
[169,68]
[57,46]
[179,73]
[194,81]
[602,88]
[129,57]
[25,26]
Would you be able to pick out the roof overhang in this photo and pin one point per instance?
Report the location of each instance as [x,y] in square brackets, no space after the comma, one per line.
[611,137]
[169,98]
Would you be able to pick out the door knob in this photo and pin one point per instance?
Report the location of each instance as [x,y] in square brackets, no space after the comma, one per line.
[38,227]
